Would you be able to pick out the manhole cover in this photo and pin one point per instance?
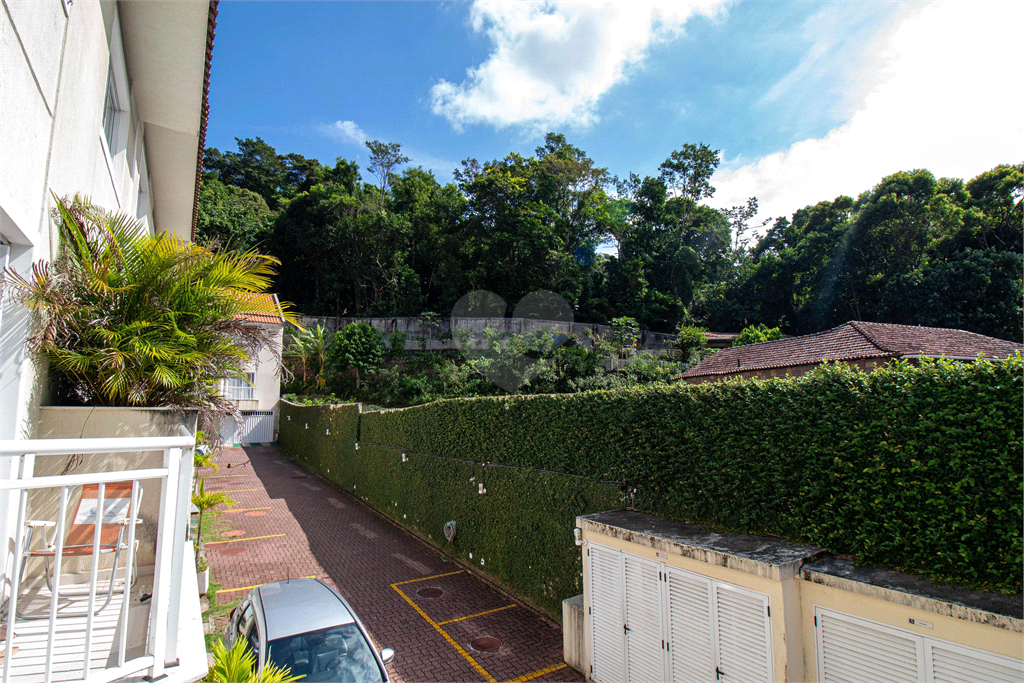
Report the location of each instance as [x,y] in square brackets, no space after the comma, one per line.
[485,644]
[232,534]
[258,513]
[228,552]
[429,592]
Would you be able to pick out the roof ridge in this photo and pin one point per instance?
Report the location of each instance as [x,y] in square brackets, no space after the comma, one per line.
[856,324]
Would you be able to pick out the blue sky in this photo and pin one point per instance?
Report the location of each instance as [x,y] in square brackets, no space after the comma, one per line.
[805,100]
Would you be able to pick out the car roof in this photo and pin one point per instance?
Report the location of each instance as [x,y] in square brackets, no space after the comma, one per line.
[299,606]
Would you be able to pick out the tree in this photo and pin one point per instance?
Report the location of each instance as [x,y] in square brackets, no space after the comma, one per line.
[256,166]
[358,347]
[232,216]
[689,340]
[384,158]
[130,319]
[204,501]
[755,334]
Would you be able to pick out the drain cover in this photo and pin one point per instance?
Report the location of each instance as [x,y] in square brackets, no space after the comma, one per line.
[232,534]
[485,644]
[233,551]
[429,592]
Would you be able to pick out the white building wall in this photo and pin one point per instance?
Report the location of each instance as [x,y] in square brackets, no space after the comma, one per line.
[54,60]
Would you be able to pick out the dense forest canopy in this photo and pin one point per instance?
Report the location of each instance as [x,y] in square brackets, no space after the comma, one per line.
[914,249]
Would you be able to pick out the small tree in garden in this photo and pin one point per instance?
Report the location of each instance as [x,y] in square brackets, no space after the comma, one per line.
[689,340]
[755,334]
[625,332]
[358,346]
[207,501]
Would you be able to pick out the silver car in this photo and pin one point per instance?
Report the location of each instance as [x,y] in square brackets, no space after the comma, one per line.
[303,624]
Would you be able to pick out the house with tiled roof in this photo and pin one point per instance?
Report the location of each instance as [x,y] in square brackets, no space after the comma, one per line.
[258,393]
[860,344]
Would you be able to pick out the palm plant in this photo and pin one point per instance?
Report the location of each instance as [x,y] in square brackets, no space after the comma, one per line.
[130,319]
[207,501]
[238,664]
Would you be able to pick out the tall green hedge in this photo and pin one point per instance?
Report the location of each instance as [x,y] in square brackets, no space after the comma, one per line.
[519,531]
[918,468]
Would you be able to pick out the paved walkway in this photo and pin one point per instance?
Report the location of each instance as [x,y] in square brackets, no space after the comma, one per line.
[288,522]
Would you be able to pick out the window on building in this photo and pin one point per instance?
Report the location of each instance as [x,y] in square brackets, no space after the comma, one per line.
[110,112]
[237,389]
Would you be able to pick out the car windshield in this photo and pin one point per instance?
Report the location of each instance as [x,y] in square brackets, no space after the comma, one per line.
[338,653]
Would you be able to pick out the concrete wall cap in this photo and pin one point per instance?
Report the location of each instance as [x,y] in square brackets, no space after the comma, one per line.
[771,558]
[994,609]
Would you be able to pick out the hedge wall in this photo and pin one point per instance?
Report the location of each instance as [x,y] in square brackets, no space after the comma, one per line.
[519,532]
[917,468]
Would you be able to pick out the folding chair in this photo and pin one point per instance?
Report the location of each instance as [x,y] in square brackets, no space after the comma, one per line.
[117,511]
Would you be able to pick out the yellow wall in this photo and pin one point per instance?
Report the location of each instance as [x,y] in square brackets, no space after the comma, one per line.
[792,612]
[998,641]
[773,589]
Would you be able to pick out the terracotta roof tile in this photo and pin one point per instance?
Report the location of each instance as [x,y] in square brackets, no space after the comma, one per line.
[265,301]
[850,341]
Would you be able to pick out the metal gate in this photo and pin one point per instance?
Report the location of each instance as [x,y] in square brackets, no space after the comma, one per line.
[257,426]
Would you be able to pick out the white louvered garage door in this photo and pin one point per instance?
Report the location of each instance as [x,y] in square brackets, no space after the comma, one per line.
[651,622]
[853,649]
[744,634]
[691,647]
[607,646]
[644,639]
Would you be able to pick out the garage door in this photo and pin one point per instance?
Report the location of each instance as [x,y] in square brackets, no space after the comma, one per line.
[257,427]
[653,622]
[855,649]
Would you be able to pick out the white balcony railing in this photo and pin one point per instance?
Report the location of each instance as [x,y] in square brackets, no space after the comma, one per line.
[86,646]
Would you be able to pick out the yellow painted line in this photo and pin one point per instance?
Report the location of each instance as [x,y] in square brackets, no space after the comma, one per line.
[245,509]
[236,490]
[479,614]
[249,538]
[435,576]
[249,588]
[222,476]
[538,674]
[440,630]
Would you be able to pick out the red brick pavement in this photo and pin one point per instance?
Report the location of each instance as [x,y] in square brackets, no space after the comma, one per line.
[335,537]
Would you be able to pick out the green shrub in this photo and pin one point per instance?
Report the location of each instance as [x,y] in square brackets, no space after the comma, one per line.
[917,468]
[755,334]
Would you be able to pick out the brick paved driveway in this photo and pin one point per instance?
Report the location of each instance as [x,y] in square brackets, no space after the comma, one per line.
[287,521]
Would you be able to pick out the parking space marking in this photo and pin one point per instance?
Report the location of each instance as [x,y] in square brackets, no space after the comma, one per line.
[249,538]
[221,476]
[538,674]
[238,490]
[478,614]
[249,588]
[231,510]
[451,641]
[425,578]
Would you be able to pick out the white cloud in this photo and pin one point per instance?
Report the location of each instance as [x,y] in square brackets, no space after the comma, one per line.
[553,59]
[949,99]
[346,131]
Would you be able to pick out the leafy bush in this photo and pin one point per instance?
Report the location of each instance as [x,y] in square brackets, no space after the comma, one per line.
[358,346]
[130,319]
[689,340]
[912,467]
[755,334]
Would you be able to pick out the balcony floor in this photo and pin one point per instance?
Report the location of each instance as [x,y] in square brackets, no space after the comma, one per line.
[32,636]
